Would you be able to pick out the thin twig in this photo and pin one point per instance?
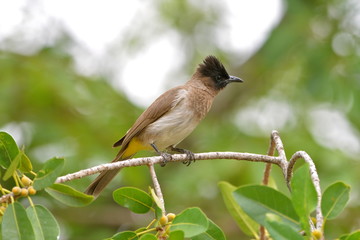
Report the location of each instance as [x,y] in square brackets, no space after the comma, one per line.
[314,178]
[275,143]
[280,149]
[266,177]
[157,188]
[270,152]
[279,145]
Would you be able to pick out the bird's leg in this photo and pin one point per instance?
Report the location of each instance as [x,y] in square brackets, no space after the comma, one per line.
[190,155]
[166,156]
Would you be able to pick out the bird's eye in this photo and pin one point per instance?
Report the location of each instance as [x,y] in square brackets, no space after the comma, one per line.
[218,78]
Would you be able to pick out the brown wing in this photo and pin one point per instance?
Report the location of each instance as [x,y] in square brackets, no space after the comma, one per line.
[158,108]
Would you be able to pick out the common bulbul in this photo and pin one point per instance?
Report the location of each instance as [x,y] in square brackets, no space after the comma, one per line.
[170,118]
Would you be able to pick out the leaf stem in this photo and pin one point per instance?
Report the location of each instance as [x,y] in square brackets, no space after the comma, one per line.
[30,201]
[146,231]
[151,223]
[17,179]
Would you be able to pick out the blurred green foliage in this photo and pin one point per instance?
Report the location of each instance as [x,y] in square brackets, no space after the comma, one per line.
[311,58]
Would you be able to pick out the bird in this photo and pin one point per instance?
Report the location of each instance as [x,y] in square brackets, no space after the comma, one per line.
[170,118]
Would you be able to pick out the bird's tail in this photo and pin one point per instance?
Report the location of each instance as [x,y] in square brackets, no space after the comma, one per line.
[104,178]
[101,182]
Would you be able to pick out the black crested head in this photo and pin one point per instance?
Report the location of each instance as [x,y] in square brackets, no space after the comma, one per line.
[213,68]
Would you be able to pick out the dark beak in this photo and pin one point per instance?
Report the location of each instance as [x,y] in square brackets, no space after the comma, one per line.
[234,79]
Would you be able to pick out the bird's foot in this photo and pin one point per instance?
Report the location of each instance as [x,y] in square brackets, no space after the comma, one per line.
[166,158]
[190,155]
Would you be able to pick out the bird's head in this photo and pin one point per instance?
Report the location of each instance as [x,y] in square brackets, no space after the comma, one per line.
[215,70]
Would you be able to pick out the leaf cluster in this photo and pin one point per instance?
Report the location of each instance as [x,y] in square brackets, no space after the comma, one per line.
[36,221]
[282,216]
[192,223]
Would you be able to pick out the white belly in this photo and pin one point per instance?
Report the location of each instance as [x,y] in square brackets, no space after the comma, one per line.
[173,127]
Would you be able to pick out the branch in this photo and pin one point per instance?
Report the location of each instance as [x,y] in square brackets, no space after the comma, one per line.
[6,198]
[175,158]
[158,159]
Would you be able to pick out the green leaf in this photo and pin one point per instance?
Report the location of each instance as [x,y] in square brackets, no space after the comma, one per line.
[191,221]
[25,163]
[48,174]
[213,232]
[148,236]
[21,162]
[13,167]
[158,211]
[126,235]
[343,237]
[176,235]
[279,230]
[16,224]
[69,195]
[134,199]
[334,199]
[8,149]
[352,236]
[257,201]
[304,198]
[43,222]
[245,223]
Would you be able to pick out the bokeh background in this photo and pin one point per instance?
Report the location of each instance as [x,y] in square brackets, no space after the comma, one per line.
[74,75]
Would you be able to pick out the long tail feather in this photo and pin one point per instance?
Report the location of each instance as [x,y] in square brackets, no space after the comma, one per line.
[101,182]
[105,177]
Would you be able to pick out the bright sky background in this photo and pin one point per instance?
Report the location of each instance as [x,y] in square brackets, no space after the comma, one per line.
[97,25]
